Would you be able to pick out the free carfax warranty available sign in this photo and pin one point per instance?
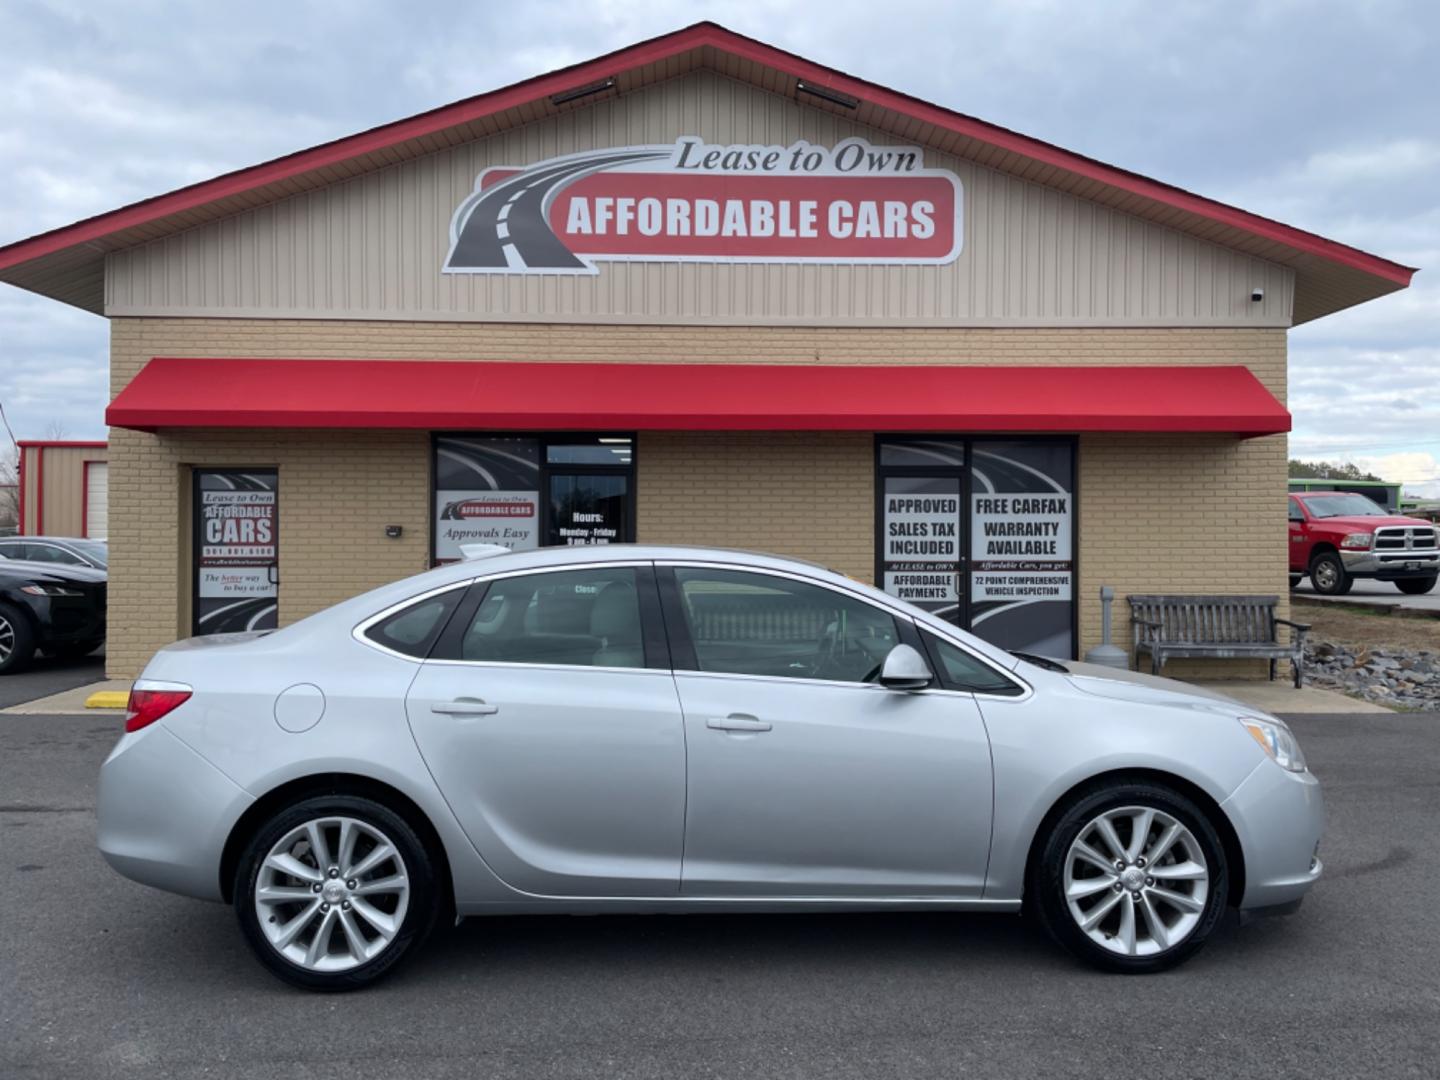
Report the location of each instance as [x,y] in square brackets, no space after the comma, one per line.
[694,202]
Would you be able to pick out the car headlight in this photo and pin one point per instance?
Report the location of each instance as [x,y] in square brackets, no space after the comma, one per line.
[1277,740]
[50,590]
[1357,541]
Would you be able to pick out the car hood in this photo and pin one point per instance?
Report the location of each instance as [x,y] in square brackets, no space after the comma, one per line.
[47,571]
[1362,523]
[1124,685]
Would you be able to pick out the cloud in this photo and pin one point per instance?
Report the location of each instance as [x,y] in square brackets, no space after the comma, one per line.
[1320,114]
[1420,473]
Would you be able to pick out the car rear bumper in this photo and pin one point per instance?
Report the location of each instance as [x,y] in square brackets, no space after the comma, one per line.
[164,813]
[1279,818]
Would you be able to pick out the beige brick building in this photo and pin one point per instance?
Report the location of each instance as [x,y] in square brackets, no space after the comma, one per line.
[1111,410]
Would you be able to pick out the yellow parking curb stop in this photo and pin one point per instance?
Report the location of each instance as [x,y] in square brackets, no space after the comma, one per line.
[108,699]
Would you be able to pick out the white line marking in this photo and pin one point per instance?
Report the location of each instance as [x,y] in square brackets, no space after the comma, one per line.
[502,230]
[504,211]
[512,257]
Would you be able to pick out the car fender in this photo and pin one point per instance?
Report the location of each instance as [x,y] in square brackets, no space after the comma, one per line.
[1045,746]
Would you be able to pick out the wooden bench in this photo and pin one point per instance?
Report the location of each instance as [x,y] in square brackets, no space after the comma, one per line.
[1244,627]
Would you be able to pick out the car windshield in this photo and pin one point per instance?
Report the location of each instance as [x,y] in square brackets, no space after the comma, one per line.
[94,550]
[1328,506]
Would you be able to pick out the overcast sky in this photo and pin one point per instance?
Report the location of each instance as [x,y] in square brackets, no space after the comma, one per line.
[1325,115]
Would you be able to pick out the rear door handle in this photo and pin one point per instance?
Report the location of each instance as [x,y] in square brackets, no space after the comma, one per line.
[465,707]
[738,722]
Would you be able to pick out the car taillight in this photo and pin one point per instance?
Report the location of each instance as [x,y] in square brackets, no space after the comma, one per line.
[147,706]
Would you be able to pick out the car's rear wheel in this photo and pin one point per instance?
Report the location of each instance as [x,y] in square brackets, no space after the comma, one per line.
[1131,877]
[1295,580]
[17,640]
[1416,586]
[334,891]
[1328,576]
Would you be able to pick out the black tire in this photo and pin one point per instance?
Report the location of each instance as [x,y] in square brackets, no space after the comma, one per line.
[419,865]
[1416,586]
[1295,580]
[17,640]
[1328,576]
[1045,892]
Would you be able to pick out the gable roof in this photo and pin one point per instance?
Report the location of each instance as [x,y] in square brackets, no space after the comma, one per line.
[68,263]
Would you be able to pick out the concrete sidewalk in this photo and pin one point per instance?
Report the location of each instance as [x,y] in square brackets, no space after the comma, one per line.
[71,702]
[1281,697]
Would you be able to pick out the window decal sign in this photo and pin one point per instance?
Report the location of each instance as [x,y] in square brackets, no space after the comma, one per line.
[854,203]
[236,583]
[487,491]
[1022,564]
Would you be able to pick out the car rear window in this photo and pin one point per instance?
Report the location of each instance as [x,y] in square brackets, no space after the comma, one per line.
[412,630]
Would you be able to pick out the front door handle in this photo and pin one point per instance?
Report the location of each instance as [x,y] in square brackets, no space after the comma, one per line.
[465,707]
[738,722]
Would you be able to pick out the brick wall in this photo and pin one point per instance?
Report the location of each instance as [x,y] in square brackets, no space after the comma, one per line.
[1173,513]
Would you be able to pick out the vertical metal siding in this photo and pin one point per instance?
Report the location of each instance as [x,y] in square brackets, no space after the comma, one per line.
[371,246]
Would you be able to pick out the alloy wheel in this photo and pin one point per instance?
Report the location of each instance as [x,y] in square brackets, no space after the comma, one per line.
[7,639]
[1136,881]
[1325,576]
[332,894]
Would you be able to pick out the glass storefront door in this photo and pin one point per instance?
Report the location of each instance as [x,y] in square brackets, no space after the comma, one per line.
[528,491]
[588,508]
[236,550]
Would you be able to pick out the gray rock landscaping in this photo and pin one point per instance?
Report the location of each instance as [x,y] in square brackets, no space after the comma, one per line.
[1401,678]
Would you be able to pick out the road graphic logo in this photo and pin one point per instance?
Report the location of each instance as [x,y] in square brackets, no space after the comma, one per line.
[855,203]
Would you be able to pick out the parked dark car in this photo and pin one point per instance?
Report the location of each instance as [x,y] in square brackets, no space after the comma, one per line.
[69,550]
[50,608]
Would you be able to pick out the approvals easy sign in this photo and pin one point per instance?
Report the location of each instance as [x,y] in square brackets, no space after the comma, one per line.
[694,202]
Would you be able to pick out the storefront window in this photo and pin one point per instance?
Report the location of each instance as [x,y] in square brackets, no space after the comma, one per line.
[528,491]
[981,533]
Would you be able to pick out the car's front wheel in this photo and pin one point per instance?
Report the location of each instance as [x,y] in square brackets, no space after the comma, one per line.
[17,640]
[1328,576]
[1416,586]
[334,891]
[1131,877]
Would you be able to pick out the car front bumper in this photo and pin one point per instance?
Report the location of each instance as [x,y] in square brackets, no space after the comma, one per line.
[164,813]
[1279,818]
[1390,565]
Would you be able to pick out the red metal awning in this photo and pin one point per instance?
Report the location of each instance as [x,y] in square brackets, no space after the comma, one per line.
[431,394]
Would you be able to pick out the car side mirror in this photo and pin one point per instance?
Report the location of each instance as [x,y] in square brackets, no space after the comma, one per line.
[905,669]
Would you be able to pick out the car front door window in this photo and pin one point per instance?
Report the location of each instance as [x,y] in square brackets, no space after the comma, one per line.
[744,623]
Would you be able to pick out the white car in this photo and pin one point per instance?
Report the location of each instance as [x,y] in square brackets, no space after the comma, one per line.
[673,729]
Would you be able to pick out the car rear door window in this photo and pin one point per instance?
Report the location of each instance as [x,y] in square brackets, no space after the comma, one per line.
[961,671]
[745,623]
[578,618]
[412,630]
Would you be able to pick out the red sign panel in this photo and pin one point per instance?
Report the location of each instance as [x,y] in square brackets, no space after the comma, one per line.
[688,202]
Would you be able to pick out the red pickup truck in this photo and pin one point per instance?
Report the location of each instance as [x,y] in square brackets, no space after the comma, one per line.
[1338,536]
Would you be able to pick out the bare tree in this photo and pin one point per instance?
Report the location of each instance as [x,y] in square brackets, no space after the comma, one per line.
[10,491]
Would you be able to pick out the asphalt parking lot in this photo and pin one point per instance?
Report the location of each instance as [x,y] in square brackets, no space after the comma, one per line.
[103,978]
[50,675]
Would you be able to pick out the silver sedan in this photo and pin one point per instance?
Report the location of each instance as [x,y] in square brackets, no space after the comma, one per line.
[664,729]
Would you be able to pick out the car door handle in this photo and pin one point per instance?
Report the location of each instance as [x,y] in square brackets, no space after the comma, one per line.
[465,707]
[737,722]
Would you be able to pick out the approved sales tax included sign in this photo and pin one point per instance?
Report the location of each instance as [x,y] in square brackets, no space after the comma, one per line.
[693,202]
